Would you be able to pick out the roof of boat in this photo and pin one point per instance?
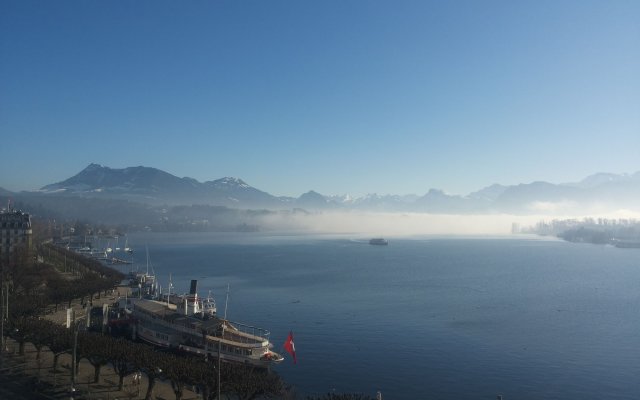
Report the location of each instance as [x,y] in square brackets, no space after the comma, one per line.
[155,307]
[161,310]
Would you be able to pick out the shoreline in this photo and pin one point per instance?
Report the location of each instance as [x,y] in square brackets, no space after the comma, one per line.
[48,384]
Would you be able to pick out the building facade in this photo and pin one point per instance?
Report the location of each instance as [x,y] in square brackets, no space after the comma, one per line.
[15,234]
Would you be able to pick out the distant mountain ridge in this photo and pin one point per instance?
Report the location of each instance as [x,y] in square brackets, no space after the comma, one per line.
[153,186]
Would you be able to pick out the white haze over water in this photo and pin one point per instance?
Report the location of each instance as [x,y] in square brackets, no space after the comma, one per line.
[400,224]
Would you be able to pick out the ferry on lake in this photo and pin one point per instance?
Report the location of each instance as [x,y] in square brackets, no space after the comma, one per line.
[193,326]
[379,241]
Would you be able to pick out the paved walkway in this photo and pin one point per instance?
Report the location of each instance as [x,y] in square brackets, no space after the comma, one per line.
[28,378]
[60,316]
[25,378]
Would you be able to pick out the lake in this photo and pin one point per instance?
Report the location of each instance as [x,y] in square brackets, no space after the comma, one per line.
[426,317]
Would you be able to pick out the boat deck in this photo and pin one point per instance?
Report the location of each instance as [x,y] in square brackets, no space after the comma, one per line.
[212,326]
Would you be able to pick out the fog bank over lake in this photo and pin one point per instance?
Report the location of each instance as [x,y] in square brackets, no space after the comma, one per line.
[399,224]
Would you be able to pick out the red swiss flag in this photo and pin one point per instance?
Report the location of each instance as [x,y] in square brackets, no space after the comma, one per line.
[290,347]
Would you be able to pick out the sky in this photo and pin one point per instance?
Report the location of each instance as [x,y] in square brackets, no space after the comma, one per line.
[342,97]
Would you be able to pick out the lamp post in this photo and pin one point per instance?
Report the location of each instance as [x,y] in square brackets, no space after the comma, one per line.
[2,327]
[76,328]
[4,313]
[2,318]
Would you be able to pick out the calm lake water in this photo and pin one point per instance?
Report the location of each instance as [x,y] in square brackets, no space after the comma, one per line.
[426,318]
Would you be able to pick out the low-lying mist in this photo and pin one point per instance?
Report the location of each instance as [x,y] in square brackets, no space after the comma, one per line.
[399,224]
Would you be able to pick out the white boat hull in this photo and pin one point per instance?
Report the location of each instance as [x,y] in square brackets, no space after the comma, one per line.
[167,328]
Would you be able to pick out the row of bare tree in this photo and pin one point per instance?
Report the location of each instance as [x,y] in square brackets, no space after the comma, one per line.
[127,357]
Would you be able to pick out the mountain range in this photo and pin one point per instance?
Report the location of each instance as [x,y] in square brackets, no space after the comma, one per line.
[154,186]
[599,192]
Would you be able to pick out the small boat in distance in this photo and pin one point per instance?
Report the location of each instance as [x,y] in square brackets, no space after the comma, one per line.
[379,241]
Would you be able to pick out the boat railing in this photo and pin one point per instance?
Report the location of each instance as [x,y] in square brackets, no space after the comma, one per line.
[242,333]
[233,331]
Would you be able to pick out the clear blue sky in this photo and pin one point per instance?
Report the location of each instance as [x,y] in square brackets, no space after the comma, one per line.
[336,96]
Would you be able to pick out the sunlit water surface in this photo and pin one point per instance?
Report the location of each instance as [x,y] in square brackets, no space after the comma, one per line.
[426,318]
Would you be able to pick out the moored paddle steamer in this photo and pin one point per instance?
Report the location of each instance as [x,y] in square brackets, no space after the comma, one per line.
[193,326]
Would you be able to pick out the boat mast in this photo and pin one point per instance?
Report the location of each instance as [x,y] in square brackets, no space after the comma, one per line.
[147,248]
[225,303]
[169,291]
[219,346]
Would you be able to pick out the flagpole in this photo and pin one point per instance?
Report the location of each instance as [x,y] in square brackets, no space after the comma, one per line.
[219,345]
[226,303]
[222,338]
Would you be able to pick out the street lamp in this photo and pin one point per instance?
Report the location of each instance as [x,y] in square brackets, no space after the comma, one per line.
[2,315]
[5,308]
[76,328]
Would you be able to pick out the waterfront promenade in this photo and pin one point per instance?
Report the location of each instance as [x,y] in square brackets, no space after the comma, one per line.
[24,377]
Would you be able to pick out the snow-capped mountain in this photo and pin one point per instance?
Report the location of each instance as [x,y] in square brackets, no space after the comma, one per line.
[596,180]
[150,185]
